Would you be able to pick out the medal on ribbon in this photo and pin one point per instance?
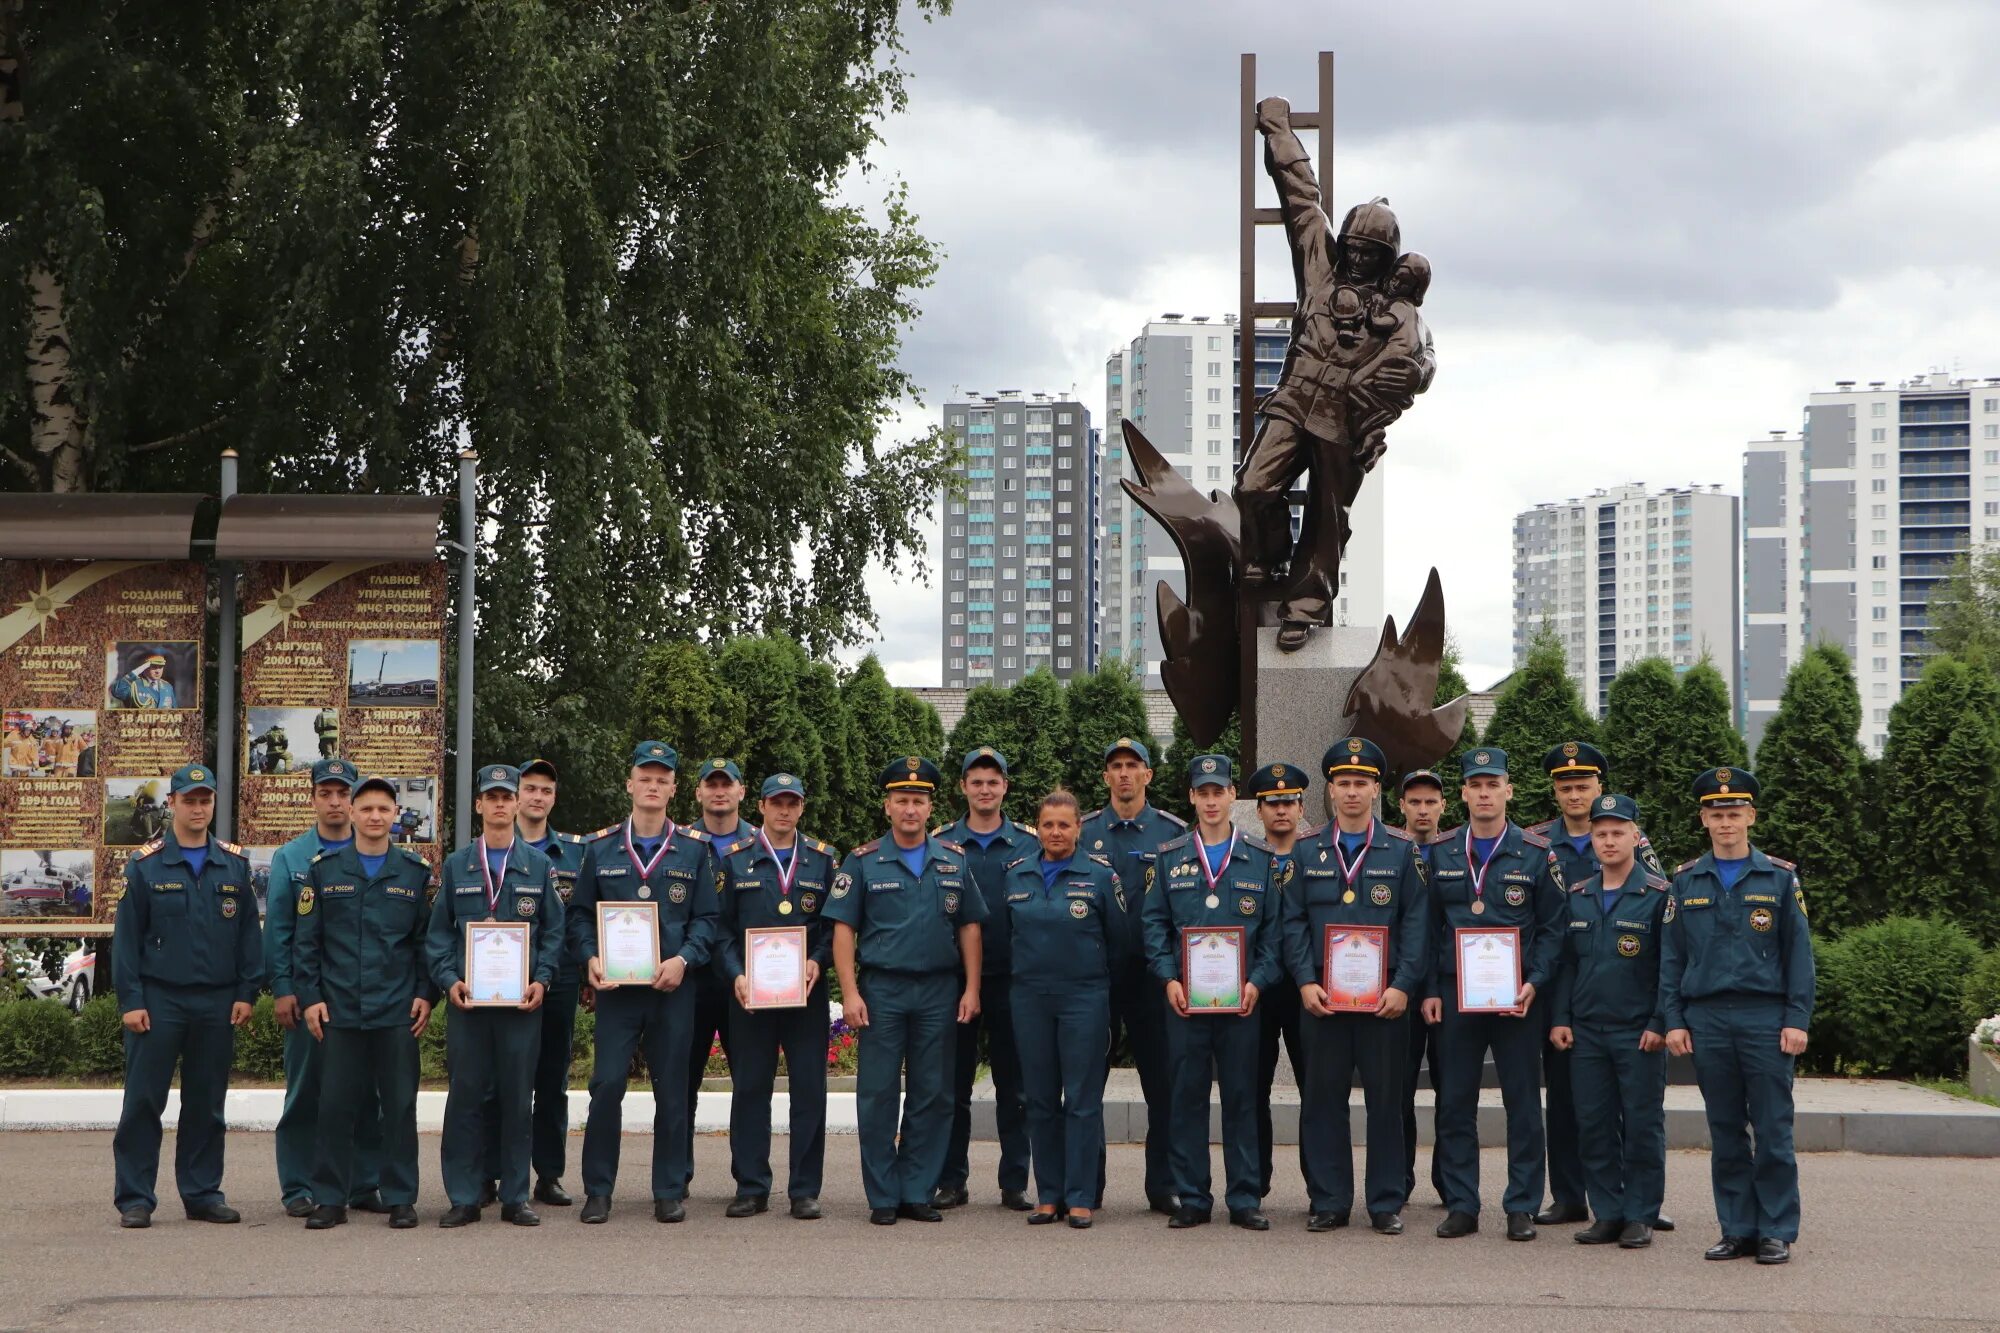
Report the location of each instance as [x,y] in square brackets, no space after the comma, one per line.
[1214,877]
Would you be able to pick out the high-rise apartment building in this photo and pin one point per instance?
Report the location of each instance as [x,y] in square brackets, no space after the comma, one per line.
[1628,573]
[1849,526]
[1178,382]
[1020,573]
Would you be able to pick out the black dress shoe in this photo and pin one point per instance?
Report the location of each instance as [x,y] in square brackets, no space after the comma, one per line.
[1635,1236]
[919,1212]
[950,1198]
[806,1210]
[1771,1250]
[1185,1217]
[460,1215]
[299,1207]
[1250,1219]
[489,1194]
[747,1205]
[1600,1232]
[1389,1224]
[136,1219]
[669,1210]
[1663,1223]
[371,1202]
[882,1217]
[550,1191]
[1042,1219]
[402,1216]
[596,1208]
[1562,1214]
[1732,1247]
[1166,1205]
[326,1217]
[1015,1201]
[1079,1223]
[213,1212]
[1520,1226]
[1326,1221]
[520,1214]
[1457,1224]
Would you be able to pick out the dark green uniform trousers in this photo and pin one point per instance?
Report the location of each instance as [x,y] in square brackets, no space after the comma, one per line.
[906,1055]
[1621,1119]
[1280,1013]
[639,1018]
[549,1147]
[1567,1184]
[1336,1049]
[1010,1112]
[298,1124]
[370,1078]
[1423,1051]
[1064,1042]
[754,1043]
[708,1024]
[1463,1040]
[190,1028]
[1199,1048]
[492,1055]
[1746,1084]
[1139,1010]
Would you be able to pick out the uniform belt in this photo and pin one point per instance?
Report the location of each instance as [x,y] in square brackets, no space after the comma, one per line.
[1738,997]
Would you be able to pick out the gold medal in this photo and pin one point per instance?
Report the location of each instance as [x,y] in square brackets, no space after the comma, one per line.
[1478,907]
[785,907]
[1347,897]
[645,890]
[1213,901]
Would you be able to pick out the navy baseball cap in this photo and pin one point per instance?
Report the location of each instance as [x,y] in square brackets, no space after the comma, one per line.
[1211,770]
[499,777]
[1486,761]
[1138,749]
[987,755]
[335,770]
[655,752]
[379,784]
[1615,806]
[194,777]
[782,784]
[1417,777]
[539,766]
[727,768]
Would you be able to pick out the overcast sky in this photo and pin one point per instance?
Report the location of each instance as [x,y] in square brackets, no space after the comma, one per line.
[1654,228]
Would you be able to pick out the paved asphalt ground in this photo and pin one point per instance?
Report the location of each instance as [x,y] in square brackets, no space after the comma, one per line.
[1889,1243]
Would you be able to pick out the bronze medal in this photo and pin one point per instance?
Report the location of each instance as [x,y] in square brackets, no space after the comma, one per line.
[1347,897]
[785,907]
[1478,907]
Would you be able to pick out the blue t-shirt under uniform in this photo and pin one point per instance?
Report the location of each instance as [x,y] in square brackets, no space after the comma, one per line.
[1051,869]
[1731,870]
[1215,856]
[913,859]
[197,857]
[371,866]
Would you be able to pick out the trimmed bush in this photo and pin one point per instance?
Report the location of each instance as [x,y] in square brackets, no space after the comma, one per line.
[583,1047]
[100,1039]
[1894,995]
[1982,989]
[430,1046]
[36,1037]
[260,1044]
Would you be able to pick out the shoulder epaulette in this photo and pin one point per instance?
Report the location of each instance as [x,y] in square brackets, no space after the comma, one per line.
[1781,862]
[606,831]
[1098,857]
[737,846]
[1019,827]
[1685,865]
[234,850]
[1534,839]
[1403,834]
[1256,843]
[951,846]
[1656,882]
[699,834]
[867,847]
[149,848]
[1541,828]
[1584,883]
[1444,833]
[572,837]
[1177,843]
[826,847]
[1172,818]
[322,855]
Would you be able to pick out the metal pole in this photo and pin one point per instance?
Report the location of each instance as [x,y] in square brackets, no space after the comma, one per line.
[1246,377]
[468,543]
[225,684]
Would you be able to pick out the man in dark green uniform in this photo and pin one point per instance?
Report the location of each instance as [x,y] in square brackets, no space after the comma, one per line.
[1279,791]
[719,791]
[1736,989]
[187,959]
[1576,772]
[1606,1008]
[550,1147]
[362,920]
[906,916]
[1357,872]
[298,1126]
[1492,875]
[645,857]
[1130,832]
[490,1049]
[990,841]
[1214,876]
[776,877]
[1420,798]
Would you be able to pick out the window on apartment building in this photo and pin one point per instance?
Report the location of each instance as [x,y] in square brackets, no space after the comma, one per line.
[1992,508]
[958,598]
[957,575]
[1215,446]
[1878,613]
[1065,552]
[1010,595]
[1877,435]
[1214,343]
[1065,485]
[1991,405]
[1993,534]
[1065,418]
[1878,562]
[1879,638]
[1878,538]
[1881,587]
[1879,486]
[1992,483]
[1064,640]
[1064,461]
[1215,421]
[1215,395]
[1214,368]
[1878,409]
[1992,455]
[1880,689]
[958,617]
[1010,418]
[1878,511]
[1878,460]
[1215,474]
[1065,594]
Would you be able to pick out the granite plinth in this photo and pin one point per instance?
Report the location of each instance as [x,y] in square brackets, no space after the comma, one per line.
[1301,698]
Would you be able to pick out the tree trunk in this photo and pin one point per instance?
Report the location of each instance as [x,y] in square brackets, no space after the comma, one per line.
[58,428]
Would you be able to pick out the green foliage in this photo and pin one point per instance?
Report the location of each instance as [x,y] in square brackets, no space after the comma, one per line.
[1540,707]
[583,1046]
[843,811]
[1982,989]
[431,1046]
[1939,806]
[1964,609]
[1706,738]
[1641,721]
[260,1044]
[1103,706]
[1811,769]
[99,1048]
[882,731]
[1038,713]
[1892,997]
[1170,782]
[36,1038]
[988,720]
[680,697]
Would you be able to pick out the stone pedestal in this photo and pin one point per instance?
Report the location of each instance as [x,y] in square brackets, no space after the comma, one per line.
[1982,1068]
[1300,697]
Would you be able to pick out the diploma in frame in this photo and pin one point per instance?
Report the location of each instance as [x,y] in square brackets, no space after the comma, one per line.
[1357,968]
[628,942]
[1213,968]
[496,963]
[774,959]
[1489,969]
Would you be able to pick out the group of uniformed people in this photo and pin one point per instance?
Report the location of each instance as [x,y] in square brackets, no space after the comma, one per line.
[1054,939]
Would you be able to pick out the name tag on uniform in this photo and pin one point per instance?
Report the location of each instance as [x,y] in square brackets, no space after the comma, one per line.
[333,890]
[1388,873]
[1581,925]
[950,884]
[748,883]
[611,872]
[1517,879]
[398,891]
[1634,925]
[1250,885]
[168,886]
[1760,897]
[469,888]
[675,872]
[1019,897]
[1449,874]
[1695,902]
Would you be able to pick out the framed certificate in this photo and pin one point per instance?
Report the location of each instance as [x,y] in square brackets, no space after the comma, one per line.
[1357,968]
[774,959]
[1489,969]
[628,942]
[1213,968]
[496,962]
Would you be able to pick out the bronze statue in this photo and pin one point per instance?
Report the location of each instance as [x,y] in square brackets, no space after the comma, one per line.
[1390,701]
